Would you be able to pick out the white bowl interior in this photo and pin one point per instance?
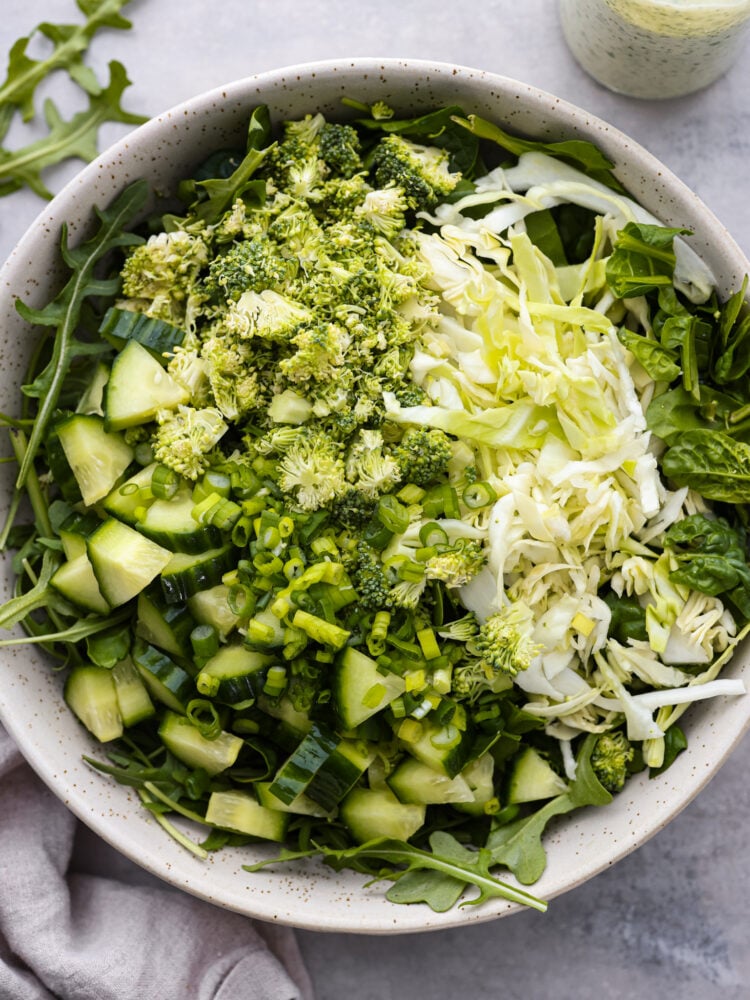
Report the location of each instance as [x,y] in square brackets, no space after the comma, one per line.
[163,151]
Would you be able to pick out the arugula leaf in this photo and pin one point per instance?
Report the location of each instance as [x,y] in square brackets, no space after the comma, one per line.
[69,42]
[518,846]
[712,463]
[436,877]
[643,259]
[76,138]
[64,310]
[578,152]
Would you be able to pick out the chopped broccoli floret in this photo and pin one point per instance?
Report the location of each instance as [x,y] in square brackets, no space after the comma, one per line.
[340,148]
[505,643]
[367,468]
[458,565]
[385,210]
[251,264]
[312,470]
[423,455]
[185,438]
[353,509]
[161,275]
[320,350]
[471,678]
[462,629]
[233,377]
[610,758]
[369,579]
[422,172]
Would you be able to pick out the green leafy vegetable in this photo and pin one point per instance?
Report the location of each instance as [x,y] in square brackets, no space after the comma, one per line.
[711,557]
[64,311]
[643,259]
[712,463]
[75,138]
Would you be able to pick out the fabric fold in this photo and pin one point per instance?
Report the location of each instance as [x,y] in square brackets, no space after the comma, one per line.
[94,934]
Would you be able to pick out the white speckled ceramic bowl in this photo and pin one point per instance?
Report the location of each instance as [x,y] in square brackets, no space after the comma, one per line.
[31,707]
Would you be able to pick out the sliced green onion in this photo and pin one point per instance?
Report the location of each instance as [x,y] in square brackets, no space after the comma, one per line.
[241,600]
[205,640]
[320,630]
[144,453]
[275,682]
[478,495]
[164,482]
[411,494]
[204,717]
[392,514]
[242,532]
[428,642]
[432,534]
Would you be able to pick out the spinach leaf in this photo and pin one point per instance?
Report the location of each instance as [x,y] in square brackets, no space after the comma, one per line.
[643,259]
[692,337]
[585,156]
[675,742]
[628,619]
[711,557]
[676,411]
[712,463]
[544,234]
[659,362]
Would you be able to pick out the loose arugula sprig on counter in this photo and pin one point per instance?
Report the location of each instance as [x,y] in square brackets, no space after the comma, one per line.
[330,458]
[76,137]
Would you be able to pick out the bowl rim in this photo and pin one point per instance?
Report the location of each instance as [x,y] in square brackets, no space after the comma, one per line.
[395,919]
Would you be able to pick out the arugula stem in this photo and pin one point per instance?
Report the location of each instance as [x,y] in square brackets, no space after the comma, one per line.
[172,830]
[33,490]
[154,790]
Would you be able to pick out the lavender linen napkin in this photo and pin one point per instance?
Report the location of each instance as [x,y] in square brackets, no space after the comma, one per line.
[78,935]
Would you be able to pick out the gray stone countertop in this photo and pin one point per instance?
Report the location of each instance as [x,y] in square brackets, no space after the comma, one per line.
[671,918]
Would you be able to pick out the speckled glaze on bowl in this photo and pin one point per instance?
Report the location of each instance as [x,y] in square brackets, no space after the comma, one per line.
[311,895]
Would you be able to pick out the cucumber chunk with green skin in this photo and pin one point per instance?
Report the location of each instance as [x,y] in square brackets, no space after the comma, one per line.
[138,388]
[415,782]
[533,779]
[211,607]
[167,626]
[323,767]
[479,776]
[185,575]
[74,531]
[90,692]
[118,326]
[294,724]
[97,457]
[166,681]
[129,501]
[76,581]
[124,561]
[376,812]
[132,695]
[231,674]
[171,523]
[241,813]
[444,748]
[188,744]
[302,805]
[360,690]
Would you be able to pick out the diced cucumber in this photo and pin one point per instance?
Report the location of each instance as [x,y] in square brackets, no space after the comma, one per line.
[241,813]
[132,696]
[294,723]
[74,531]
[413,781]
[376,812]
[138,388]
[479,776]
[96,456]
[124,561]
[171,523]
[323,767]
[211,607]
[90,693]
[231,674]
[532,778]
[129,501]
[189,745]
[302,805]
[443,748]
[93,395]
[121,325]
[77,581]
[167,626]
[360,689]
[185,574]
[165,679]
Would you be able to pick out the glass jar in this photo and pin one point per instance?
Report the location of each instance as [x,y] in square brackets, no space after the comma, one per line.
[655,48]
